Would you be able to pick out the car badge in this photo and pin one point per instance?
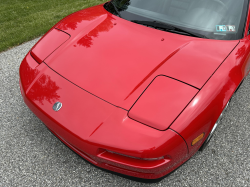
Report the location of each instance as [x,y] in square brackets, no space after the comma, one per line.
[57,106]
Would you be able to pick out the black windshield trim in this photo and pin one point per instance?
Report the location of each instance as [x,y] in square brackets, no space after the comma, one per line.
[116,10]
[243,22]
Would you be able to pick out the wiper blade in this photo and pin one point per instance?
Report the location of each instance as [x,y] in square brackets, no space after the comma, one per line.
[116,10]
[190,32]
[154,24]
[168,27]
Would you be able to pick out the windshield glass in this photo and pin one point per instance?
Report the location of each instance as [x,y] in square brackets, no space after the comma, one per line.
[214,19]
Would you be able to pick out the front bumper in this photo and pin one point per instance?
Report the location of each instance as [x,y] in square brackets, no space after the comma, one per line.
[108,127]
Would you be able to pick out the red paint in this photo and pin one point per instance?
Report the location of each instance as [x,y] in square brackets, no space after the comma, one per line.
[162,102]
[126,65]
[154,70]
[102,70]
[87,124]
[48,44]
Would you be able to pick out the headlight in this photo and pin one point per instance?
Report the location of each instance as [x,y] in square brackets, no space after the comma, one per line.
[162,102]
[48,44]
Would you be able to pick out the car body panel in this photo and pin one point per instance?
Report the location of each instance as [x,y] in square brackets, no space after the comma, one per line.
[91,126]
[162,102]
[130,68]
[49,44]
[98,76]
[202,113]
[48,88]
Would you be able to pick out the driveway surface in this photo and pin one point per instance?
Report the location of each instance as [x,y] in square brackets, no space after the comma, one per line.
[30,155]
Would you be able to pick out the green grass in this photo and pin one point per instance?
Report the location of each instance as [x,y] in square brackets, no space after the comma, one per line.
[24,20]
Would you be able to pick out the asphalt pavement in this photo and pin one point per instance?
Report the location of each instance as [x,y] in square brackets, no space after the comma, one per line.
[30,155]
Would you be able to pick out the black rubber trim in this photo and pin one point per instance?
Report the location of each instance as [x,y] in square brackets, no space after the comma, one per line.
[239,85]
[245,22]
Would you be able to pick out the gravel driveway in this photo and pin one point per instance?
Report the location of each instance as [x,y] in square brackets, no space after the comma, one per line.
[31,156]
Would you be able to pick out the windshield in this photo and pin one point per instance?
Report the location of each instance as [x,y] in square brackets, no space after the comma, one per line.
[214,19]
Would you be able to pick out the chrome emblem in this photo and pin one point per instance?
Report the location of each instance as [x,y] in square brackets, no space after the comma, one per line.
[57,106]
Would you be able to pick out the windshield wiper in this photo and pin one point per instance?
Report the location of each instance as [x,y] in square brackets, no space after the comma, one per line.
[116,10]
[167,27]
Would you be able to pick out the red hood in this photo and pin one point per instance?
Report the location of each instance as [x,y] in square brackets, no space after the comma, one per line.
[116,60]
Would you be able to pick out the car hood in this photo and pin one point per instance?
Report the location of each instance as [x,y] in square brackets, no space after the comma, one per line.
[116,60]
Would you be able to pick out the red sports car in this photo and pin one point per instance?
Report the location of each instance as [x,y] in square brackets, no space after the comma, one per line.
[138,86]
